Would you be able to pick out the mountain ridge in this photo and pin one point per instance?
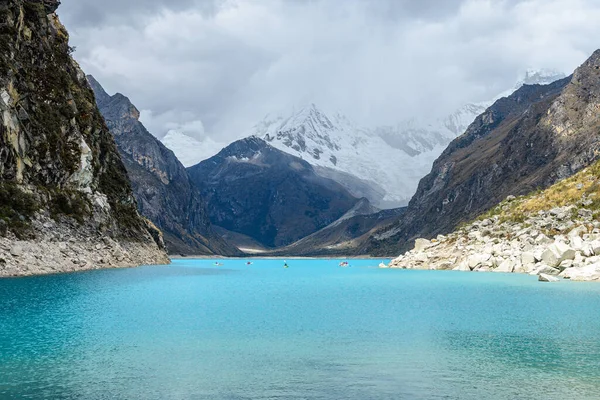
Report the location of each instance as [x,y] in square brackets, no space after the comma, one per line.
[340,149]
[527,141]
[162,187]
[271,196]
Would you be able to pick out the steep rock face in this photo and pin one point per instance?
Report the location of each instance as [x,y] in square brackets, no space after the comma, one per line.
[268,195]
[61,177]
[161,185]
[529,140]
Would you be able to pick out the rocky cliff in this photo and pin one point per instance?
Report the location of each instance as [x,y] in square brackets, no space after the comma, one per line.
[266,194]
[66,203]
[161,185]
[538,135]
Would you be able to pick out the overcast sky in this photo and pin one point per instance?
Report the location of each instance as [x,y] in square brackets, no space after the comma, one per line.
[213,68]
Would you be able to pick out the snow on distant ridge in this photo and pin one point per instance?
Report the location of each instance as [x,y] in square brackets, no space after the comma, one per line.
[336,143]
[392,158]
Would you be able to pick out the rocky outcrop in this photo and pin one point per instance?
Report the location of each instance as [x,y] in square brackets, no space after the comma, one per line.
[491,245]
[62,246]
[527,141]
[552,233]
[61,177]
[51,5]
[161,185]
[268,195]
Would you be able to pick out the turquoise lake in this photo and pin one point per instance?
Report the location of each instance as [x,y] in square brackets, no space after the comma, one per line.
[193,330]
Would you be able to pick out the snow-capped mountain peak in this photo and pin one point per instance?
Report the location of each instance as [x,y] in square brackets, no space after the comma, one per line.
[384,163]
[336,144]
[306,131]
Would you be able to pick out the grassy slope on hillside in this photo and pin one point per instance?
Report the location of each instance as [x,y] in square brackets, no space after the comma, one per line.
[582,190]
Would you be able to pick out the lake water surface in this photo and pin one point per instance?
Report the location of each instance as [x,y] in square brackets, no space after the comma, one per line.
[192,330]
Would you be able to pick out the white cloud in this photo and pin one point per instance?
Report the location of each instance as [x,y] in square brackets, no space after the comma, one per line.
[173,120]
[214,74]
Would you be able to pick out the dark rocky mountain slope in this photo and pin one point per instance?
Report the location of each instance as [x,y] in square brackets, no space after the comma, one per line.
[342,236]
[161,185]
[65,200]
[268,195]
[527,141]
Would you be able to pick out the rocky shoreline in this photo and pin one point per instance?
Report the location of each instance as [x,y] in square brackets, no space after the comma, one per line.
[561,243]
[62,247]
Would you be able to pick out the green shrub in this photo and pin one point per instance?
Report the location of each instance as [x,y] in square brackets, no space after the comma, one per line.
[17,207]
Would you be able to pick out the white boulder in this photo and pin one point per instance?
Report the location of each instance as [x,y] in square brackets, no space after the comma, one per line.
[545,269]
[547,278]
[585,273]
[578,232]
[505,266]
[421,245]
[527,258]
[16,251]
[477,260]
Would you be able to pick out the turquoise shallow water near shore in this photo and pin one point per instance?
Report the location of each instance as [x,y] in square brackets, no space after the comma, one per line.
[313,331]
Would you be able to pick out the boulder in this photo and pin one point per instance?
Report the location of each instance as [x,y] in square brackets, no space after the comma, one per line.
[477,260]
[550,257]
[16,251]
[444,266]
[421,257]
[462,266]
[543,239]
[475,236]
[577,243]
[505,266]
[585,213]
[578,232]
[488,249]
[545,269]
[421,245]
[528,258]
[559,213]
[592,260]
[519,267]
[498,249]
[565,264]
[586,249]
[547,278]
[557,253]
[486,222]
[596,247]
[585,273]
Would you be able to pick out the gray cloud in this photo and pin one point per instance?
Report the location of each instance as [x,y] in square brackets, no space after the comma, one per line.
[88,13]
[214,68]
